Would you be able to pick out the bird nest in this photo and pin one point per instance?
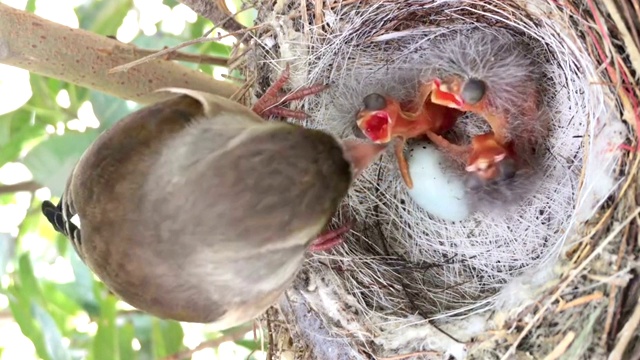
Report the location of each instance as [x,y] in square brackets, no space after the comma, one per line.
[553,275]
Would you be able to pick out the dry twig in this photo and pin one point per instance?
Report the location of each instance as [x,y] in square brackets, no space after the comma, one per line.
[29,186]
[562,347]
[626,334]
[567,281]
[203,39]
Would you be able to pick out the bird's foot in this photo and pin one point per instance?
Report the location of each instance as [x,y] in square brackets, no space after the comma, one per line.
[402,163]
[458,152]
[329,239]
[270,103]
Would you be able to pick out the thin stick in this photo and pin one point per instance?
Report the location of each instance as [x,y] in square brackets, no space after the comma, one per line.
[305,17]
[566,283]
[161,53]
[581,301]
[562,347]
[404,356]
[626,334]
[614,290]
[29,186]
[630,45]
[182,56]
[319,17]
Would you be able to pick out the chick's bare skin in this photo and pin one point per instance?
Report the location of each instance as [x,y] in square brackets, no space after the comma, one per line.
[384,118]
[202,214]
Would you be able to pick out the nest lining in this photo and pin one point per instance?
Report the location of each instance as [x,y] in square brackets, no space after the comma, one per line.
[401,266]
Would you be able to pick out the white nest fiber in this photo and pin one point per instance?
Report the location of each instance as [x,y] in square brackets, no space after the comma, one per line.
[401,266]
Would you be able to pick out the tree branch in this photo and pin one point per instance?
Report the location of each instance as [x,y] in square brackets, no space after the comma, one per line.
[83,58]
[29,186]
[216,11]
[181,56]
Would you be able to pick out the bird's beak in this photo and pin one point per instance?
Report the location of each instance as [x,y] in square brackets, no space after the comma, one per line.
[361,154]
[376,125]
[487,152]
[443,93]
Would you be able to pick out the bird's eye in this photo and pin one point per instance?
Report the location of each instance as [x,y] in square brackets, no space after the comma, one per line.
[473,91]
[507,169]
[374,101]
[473,182]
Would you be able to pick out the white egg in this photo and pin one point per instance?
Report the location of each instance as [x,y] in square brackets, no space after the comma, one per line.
[434,189]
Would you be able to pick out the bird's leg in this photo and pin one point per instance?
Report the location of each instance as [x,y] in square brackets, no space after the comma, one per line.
[402,163]
[329,239]
[456,151]
[498,123]
[269,103]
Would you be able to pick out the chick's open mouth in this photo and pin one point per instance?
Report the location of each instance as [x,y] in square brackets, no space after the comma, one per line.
[445,98]
[376,126]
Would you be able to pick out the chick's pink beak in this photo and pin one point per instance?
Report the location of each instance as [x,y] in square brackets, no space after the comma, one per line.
[445,98]
[361,154]
[376,126]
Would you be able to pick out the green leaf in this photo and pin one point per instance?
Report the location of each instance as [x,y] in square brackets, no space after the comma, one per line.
[103,17]
[249,344]
[32,222]
[20,306]
[5,130]
[167,337]
[31,6]
[19,128]
[105,343]
[7,248]
[43,97]
[58,299]
[143,325]
[28,282]
[62,243]
[108,109]
[215,49]
[158,41]
[52,160]
[52,336]
[82,289]
[246,17]
[126,334]
[159,348]
[198,28]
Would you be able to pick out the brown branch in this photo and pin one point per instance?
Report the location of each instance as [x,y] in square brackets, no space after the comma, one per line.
[83,58]
[626,334]
[159,54]
[29,186]
[234,335]
[216,11]
[182,56]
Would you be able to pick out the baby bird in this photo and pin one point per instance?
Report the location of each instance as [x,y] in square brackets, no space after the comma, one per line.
[491,74]
[196,209]
[384,118]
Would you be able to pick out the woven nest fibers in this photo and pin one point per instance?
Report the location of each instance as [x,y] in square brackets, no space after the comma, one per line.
[406,280]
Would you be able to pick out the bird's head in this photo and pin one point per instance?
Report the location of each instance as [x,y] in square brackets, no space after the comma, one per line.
[458,93]
[377,117]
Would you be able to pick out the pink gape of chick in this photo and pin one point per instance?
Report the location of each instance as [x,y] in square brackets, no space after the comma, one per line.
[439,105]
[268,105]
[383,119]
[491,155]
